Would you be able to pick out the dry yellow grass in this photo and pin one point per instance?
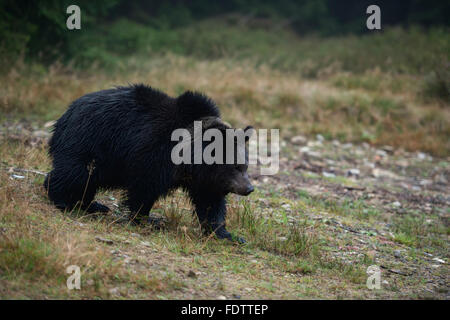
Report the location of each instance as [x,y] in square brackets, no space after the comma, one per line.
[380,109]
[38,243]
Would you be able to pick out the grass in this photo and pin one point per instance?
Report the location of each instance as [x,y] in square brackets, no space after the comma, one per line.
[37,247]
[248,94]
[285,238]
[418,230]
[354,208]
[343,88]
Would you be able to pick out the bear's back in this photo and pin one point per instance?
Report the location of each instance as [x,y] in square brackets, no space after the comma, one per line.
[125,117]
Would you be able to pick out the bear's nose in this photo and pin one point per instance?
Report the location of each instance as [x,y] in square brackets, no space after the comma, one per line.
[249,190]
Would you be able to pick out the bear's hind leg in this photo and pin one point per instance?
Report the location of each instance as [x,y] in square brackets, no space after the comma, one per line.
[73,185]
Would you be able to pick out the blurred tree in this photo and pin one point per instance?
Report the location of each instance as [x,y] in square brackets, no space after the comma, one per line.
[37,28]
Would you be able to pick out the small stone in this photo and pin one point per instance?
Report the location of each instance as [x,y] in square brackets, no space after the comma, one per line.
[441,179]
[192,274]
[146,243]
[313,144]
[114,291]
[366,145]
[369,165]
[396,204]
[328,174]
[421,156]
[385,282]
[304,149]
[397,254]
[221,298]
[104,240]
[298,140]
[402,163]
[347,145]
[438,260]
[425,182]
[380,173]
[381,153]
[314,154]
[353,172]
[388,149]
[282,239]
[41,134]
[320,137]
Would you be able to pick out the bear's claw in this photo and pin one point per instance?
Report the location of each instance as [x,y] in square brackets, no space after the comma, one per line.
[224,234]
[155,222]
[97,207]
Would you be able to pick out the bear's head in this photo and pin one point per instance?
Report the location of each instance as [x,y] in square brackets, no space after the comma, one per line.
[231,176]
[224,158]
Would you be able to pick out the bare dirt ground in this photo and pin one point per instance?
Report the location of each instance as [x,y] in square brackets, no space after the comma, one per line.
[385,203]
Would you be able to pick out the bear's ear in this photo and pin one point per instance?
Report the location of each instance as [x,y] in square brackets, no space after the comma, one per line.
[249,130]
[215,122]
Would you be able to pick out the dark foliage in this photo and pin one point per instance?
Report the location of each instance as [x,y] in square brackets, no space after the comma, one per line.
[37,28]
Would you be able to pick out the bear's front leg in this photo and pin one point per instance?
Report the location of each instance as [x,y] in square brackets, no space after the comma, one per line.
[211,212]
[140,205]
